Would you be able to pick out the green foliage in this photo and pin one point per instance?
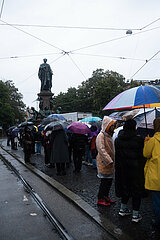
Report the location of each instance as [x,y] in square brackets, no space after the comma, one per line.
[11,105]
[93,94]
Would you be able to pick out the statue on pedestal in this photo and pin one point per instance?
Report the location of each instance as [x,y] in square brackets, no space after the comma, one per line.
[45,75]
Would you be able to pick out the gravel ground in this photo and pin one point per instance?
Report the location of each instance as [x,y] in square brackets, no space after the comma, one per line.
[86,184]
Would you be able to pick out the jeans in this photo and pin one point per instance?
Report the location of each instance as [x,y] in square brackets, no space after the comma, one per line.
[88,157]
[136,201]
[38,147]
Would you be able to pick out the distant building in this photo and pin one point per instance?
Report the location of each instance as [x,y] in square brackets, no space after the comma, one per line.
[76,116]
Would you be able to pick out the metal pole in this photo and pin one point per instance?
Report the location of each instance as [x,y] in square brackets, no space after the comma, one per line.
[145,119]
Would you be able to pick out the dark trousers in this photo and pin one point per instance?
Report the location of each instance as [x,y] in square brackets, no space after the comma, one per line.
[27,152]
[104,187]
[136,201]
[27,156]
[60,167]
[156,205]
[47,154]
[77,158]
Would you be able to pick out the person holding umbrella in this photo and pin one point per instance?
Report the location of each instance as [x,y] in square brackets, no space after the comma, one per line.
[129,169]
[27,140]
[152,174]
[105,160]
[59,148]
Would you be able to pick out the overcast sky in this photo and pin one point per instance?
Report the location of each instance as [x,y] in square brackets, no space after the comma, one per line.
[88,49]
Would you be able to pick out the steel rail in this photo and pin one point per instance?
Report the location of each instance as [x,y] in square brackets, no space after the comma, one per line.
[52,218]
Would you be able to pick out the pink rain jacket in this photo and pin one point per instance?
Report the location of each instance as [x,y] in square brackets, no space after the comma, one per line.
[105,147]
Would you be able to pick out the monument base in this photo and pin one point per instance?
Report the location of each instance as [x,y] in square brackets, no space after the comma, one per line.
[45,100]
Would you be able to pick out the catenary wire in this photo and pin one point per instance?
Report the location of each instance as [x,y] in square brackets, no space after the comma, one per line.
[32,36]
[114,39]
[145,64]
[71,27]
[77,66]
[150,24]
[25,56]
[1,8]
[118,57]
[81,27]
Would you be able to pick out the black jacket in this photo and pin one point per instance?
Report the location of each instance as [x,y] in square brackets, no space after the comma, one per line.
[129,164]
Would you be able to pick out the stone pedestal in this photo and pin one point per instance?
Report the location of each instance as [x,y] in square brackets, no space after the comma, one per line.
[45,100]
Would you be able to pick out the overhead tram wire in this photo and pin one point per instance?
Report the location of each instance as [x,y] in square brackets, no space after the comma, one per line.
[71,27]
[145,64]
[82,27]
[24,56]
[114,39]
[104,56]
[150,24]
[77,66]
[1,8]
[32,35]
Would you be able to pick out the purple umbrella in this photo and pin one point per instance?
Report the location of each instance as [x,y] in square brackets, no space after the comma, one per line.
[79,128]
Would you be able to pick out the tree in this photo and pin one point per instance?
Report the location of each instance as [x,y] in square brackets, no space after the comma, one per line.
[6,113]
[11,105]
[93,94]
[16,102]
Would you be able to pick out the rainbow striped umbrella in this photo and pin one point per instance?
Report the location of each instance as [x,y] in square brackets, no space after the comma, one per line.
[137,97]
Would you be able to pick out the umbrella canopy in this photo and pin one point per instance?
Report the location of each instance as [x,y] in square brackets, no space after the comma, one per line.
[57,115]
[79,128]
[11,128]
[15,132]
[117,115]
[151,114]
[142,96]
[54,126]
[91,119]
[48,120]
[23,124]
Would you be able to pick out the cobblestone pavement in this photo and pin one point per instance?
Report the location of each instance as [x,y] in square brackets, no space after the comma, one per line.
[86,184]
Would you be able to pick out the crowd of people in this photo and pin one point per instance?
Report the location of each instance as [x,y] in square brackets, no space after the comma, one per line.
[133,160]
[136,163]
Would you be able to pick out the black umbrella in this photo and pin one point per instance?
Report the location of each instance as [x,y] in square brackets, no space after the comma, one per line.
[98,124]
[11,128]
[48,120]
[54,126]
[23,124]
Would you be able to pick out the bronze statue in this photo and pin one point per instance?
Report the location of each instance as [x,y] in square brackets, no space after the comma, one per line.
[45,75]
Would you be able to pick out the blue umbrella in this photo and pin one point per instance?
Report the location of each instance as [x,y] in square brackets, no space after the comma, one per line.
[57,115]
[15,132]
[91,119]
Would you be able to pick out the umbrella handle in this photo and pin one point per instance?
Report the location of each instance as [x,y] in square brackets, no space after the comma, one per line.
[145,120]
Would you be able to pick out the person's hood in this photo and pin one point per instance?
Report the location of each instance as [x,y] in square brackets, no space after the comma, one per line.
[106,123]
[157,136]
[156,124]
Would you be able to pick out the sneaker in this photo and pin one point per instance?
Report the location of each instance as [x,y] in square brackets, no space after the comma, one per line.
[103,202]
[125,212]
[109,200]
[136,219]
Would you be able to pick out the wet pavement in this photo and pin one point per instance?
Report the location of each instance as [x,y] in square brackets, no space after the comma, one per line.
[85,184]
[21,218]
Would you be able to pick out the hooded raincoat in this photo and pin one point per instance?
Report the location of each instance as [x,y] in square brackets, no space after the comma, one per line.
[105,147]
[152,168]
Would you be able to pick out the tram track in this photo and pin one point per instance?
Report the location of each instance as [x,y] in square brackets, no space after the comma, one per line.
[64,233]
[47,212]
